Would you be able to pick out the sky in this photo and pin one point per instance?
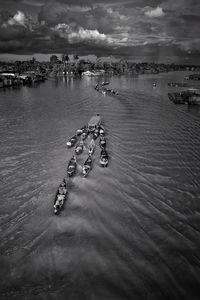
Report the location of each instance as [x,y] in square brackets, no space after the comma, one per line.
[150,30]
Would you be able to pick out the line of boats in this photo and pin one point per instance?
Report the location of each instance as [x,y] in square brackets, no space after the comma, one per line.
[101,89]
[94,129]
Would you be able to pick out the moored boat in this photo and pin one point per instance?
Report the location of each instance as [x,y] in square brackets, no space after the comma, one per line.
[87,166]
[94,123]
[71,168]
[103,158]
[79,148]
[91,147]
[72,141]
[60,197]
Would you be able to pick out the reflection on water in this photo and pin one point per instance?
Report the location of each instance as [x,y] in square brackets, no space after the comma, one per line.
[130,231]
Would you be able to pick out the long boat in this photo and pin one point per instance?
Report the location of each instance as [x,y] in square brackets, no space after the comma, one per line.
[94,123]
[71,168]
[60,197]
[87,166]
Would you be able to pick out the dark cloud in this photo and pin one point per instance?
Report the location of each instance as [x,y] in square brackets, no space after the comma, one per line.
[125,28]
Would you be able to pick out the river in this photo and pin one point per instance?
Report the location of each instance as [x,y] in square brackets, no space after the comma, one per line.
[129,231]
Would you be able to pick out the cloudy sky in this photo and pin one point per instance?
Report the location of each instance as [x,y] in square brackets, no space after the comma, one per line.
[159,30]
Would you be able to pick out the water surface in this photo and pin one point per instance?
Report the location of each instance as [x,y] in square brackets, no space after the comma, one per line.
[129,231]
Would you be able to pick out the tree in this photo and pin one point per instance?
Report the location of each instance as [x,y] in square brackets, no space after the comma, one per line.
[64,58]
[76,57]
[54,59]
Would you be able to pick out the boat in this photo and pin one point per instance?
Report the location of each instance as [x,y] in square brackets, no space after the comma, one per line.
[79,148]
[154,84]
[60,197]
[81,130]
[102,130]
[105,83]
[71,168]
[72,141]
[87,166]
[84,134]
[94,123]
[96,133]
[103,158]
[91,147]
[102,142]
[112,92]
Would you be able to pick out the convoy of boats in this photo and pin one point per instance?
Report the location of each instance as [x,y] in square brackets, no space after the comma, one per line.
[93,130]
[101,89]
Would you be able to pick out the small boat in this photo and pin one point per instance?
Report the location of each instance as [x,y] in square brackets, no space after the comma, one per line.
[72,141]
[60,197]
[79,148]
[87,166]
[96,133]
[84,134]
[94,123]
[105,83]
[102,142]
[102,130]
[91,147]
[71,168]
[154,84]
[103,158]
[81,130]
[113,92]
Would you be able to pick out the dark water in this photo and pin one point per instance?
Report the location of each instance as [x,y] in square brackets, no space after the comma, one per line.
[130,231]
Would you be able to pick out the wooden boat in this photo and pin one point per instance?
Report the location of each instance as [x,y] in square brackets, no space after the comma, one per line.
[103,158]
[81,130]
[91,147]
[79,148]
[105,83]
[72,141]
[71,168]
[60,197]
[84,134]
[87,166]
[94,123]
[95,133]
[102,142]
[102,130]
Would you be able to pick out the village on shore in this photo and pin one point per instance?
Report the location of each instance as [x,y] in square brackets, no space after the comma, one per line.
[32,71]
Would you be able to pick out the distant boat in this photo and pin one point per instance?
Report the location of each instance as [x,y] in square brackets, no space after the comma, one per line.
[154,84]
[105,83]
